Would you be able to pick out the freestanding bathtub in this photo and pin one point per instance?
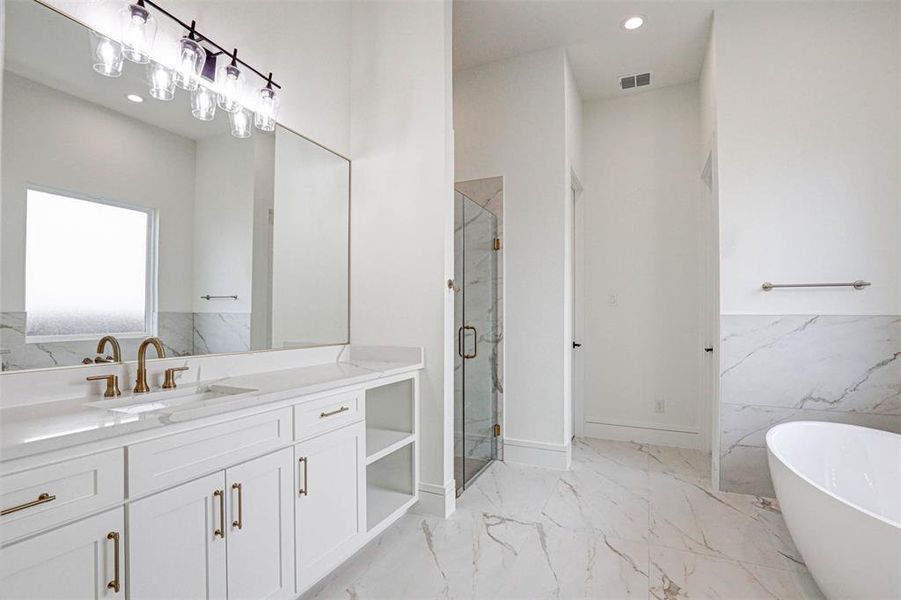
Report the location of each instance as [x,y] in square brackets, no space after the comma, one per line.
[840,491]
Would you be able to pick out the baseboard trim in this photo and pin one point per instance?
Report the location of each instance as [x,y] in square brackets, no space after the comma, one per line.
[676,437]
[539,454]
[437,500]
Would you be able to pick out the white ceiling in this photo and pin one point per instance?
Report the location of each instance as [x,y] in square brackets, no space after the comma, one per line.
[671,44]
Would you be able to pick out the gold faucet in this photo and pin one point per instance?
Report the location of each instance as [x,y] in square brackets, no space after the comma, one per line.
[117,350]
[141,385]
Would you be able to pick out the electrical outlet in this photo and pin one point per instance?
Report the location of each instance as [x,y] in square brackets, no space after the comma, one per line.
[659,406]
[611,300]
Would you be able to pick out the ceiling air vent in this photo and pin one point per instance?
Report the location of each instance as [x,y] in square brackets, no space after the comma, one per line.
[633,81]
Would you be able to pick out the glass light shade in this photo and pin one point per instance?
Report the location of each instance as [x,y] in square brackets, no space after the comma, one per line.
[267,111]
[241,122]
[138,33]
[106,55]
[162,81]
[203,103]
[231,82]
[191,57]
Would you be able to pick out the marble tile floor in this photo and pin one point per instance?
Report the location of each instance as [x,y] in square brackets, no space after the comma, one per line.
[627,521]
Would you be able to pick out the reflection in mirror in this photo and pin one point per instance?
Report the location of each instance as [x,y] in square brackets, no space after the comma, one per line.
[124,215]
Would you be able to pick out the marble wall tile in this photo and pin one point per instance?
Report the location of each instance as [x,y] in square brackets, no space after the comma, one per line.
[221,332]
[175,329]
[776,369]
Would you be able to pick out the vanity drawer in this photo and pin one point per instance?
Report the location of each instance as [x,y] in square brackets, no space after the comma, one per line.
[43,497]
[169,460]
[318,416]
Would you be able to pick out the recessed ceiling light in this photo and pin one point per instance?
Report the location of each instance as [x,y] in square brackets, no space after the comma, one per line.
[633,22]
[135,98]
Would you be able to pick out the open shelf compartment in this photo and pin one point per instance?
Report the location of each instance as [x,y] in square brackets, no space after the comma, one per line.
[390,417]
[389,485]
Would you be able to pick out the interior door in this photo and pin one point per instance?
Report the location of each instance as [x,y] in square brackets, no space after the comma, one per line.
[74,562]
[261,527]
[176,542]
[329,500]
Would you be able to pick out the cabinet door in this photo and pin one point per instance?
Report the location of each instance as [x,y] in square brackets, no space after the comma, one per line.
[176,542]
[73,562]
[330,497]
[261,528]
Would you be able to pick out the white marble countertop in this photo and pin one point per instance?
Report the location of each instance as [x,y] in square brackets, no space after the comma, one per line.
[38,427]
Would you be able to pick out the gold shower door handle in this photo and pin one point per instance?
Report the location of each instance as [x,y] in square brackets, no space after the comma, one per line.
[114,584]
[475,341]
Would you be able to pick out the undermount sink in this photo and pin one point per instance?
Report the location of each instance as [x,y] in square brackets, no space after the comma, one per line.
[169,400]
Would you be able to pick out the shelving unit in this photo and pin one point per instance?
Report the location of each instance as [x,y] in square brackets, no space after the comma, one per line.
[382,442]
[390,452]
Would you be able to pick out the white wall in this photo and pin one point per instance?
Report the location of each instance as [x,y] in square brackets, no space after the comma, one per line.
[223,224]
[510,120]
[55,142]
[402,211]
[808,119]
[305,44]
[641,222]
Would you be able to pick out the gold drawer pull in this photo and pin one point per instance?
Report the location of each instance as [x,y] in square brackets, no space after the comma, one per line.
[221,531]
[42,499]
[334,412]
[114,584]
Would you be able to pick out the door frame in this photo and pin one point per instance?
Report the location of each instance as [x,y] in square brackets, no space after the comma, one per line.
[710,308]
[576,248]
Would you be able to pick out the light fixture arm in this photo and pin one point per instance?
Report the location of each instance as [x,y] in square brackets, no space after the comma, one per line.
[195,35]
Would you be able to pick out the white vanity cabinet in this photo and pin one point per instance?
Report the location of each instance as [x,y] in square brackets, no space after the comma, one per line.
[330,501]
[84,559]
[228,534]
[252,505]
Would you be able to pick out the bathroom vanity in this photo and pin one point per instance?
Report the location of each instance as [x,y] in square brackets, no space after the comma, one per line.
[244,482]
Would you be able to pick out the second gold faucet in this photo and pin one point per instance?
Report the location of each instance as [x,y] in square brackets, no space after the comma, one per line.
[141,384]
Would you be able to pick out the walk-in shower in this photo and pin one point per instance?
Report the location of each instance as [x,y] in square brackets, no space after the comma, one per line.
[476,315]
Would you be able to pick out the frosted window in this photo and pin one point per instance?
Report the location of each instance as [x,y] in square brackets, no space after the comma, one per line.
[86,267]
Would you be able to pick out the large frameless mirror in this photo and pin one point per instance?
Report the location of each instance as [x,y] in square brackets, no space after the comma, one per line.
[125,215]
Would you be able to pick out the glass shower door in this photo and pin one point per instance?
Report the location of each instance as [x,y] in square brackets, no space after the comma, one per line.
[476,320]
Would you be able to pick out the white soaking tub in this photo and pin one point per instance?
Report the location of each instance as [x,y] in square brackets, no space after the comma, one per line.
[840,491]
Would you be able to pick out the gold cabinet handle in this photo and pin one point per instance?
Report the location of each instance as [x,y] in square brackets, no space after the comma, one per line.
[306,469]
[334,412]
[239,523]
[42,499]
[114,584]
[221,531]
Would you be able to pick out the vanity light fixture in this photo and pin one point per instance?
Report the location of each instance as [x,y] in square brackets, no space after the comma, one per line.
[191,58]
[633,23]
[231,82]
[162,81]
[241,122]
[106,55]
[193,69]
[267,112]
[134,98]
[203,103]
[138,32]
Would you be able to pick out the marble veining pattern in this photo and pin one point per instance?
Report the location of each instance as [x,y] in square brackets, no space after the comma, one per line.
[221,332]
[776,369]
[628,521]
[174,329]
